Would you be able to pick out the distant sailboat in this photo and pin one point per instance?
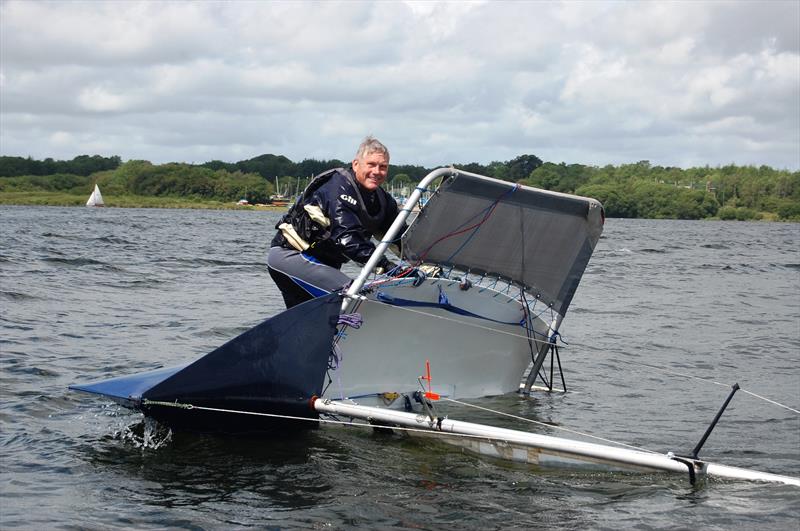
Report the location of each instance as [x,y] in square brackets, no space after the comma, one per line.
[278,199]
[96,199]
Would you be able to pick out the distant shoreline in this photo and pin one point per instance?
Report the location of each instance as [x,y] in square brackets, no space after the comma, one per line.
[62,200]
[128,201]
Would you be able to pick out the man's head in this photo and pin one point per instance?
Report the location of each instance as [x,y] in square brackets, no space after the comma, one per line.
[371,165]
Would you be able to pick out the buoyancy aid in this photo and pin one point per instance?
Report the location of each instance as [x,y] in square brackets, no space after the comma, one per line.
[333,219]
[304,225]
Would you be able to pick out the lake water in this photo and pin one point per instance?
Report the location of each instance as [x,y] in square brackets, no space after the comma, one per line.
[92,293]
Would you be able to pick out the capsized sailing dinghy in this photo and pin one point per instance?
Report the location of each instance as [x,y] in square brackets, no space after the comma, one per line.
[508,259]
[505,261]
[96,199]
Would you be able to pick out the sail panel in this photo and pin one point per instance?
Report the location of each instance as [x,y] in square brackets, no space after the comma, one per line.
[96,199]
[536,238]
[280,362]
[127,390]
[274,367]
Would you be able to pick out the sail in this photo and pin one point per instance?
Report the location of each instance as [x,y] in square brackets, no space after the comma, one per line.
[539,239]
[274,367]
[96,199]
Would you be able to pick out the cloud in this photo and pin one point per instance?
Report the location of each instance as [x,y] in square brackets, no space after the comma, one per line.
[677,83]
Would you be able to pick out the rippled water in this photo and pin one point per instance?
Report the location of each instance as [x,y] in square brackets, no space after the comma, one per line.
[92,293]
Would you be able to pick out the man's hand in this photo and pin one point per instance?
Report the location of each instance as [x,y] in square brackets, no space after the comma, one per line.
[386,266]
[418,275]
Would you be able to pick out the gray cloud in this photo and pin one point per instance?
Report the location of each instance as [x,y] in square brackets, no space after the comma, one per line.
[677,83]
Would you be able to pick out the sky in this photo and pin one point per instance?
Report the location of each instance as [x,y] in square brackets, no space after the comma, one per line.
[686,83]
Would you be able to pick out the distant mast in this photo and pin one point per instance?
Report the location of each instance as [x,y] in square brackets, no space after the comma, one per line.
[278,199]
[96,199]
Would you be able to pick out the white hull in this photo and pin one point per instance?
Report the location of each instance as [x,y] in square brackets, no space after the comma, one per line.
[469,356]
[541,450]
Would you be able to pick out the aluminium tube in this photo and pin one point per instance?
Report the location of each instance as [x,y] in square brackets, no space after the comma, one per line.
[390,235]
[536,364]
[578,450]
[590,451]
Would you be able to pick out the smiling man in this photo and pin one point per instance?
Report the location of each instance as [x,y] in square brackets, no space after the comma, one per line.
[371,169]
[331,223]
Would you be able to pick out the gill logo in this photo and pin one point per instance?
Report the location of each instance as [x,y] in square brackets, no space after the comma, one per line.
[345,197]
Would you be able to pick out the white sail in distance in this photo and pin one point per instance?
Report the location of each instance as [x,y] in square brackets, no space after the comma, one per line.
[96,199]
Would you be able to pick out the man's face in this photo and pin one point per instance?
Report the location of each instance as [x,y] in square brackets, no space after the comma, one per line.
[371,170]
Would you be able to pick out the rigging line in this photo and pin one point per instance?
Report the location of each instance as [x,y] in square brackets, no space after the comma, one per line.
[709,380]
[526,309]
[588,347]
[469,238]
[547,425]
[488,213]
[693,377]
[478,227]
[768,400]
[490,329]
[182,405]
[528,329]
[422,256]
[430,431]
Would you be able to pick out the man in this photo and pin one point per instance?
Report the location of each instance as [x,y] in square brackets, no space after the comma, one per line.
[330,224]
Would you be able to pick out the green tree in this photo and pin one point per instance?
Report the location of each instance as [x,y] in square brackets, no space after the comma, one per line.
[616,202]
[521,167]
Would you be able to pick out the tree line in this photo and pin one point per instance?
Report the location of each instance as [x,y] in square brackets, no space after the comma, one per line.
[84,165]
[641,190]
[638,190]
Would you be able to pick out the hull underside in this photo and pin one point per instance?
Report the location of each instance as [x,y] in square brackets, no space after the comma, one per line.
[476,343]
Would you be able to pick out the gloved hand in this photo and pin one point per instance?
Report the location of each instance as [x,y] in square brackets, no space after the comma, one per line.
[418,275]
[431,270]
[386,267]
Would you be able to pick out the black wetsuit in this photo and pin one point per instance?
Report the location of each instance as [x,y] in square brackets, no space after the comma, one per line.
[355,214]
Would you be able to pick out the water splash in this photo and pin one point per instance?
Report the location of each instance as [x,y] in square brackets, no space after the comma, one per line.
[149,434]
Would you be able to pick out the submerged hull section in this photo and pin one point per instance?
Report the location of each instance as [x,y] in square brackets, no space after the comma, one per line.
[542,450]
[275,367]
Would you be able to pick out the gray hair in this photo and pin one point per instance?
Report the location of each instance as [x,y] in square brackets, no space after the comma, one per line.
[371,145]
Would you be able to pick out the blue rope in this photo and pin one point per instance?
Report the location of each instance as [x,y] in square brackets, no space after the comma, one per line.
[474,232]
[443,304]
[353,320]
